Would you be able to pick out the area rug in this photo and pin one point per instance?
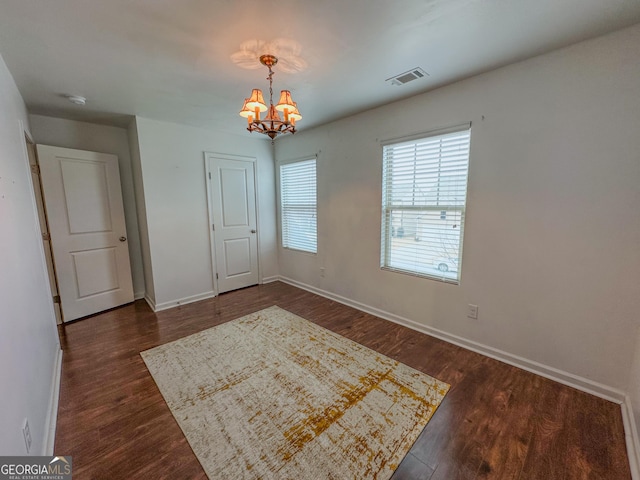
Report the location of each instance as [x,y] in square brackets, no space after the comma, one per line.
[273,396]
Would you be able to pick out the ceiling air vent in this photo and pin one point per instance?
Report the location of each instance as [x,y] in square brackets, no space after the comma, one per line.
[406,77]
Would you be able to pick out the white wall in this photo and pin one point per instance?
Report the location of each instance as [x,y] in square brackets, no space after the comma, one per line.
[29,342]
[141,209]
[104,139]
[172,176]
[551,247]
[634,383]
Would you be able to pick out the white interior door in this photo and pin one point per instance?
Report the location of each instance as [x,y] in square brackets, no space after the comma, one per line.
[233,212]
[83,199]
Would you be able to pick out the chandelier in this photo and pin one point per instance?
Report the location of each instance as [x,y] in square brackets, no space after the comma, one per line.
[272,124]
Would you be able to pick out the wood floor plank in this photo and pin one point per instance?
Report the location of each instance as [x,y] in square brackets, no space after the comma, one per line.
[549,452]
[496,422]
[412,469]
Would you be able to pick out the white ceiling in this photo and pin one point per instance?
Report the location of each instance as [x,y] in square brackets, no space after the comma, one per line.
[171,59]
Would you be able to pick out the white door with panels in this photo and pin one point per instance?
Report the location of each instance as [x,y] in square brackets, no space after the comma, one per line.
[232,194]
[83,199]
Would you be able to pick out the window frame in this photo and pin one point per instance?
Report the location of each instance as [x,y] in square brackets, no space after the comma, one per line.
[281,208]
[387,207]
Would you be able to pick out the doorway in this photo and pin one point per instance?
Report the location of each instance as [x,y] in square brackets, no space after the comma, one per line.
[44,226]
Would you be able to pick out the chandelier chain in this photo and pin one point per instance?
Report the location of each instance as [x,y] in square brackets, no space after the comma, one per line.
[270,78]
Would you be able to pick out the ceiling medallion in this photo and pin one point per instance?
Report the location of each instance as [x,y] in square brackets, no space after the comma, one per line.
[286,49]
[272,124]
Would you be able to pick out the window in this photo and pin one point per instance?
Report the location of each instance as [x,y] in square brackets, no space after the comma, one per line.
[298,205]
[424,190]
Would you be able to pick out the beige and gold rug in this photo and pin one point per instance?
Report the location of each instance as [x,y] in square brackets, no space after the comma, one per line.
[273,396]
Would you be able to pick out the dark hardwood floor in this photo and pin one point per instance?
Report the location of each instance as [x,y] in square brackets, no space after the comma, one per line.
[496,422]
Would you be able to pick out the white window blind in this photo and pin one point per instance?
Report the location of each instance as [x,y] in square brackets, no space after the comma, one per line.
[424,190]
[298,205]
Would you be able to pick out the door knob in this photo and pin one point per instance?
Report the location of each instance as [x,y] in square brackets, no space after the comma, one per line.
[253,231]
[123,239]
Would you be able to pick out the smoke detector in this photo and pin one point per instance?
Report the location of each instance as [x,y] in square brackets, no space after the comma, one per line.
[408,76]
[76,99]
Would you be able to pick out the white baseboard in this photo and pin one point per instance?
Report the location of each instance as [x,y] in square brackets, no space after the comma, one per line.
[150,302]
[52,414]
[274,278]
[138,295]
[181,301]
[566,378]
[631,438]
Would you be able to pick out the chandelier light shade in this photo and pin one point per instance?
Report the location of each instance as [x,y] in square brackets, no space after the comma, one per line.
[272,124]
[294,115]
[256,101]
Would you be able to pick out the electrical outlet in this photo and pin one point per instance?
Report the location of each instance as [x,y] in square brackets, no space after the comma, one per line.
[26,432]
[472,311]
[322,271]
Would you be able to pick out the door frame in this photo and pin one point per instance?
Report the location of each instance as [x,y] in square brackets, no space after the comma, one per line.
[47,269]
[208,158]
